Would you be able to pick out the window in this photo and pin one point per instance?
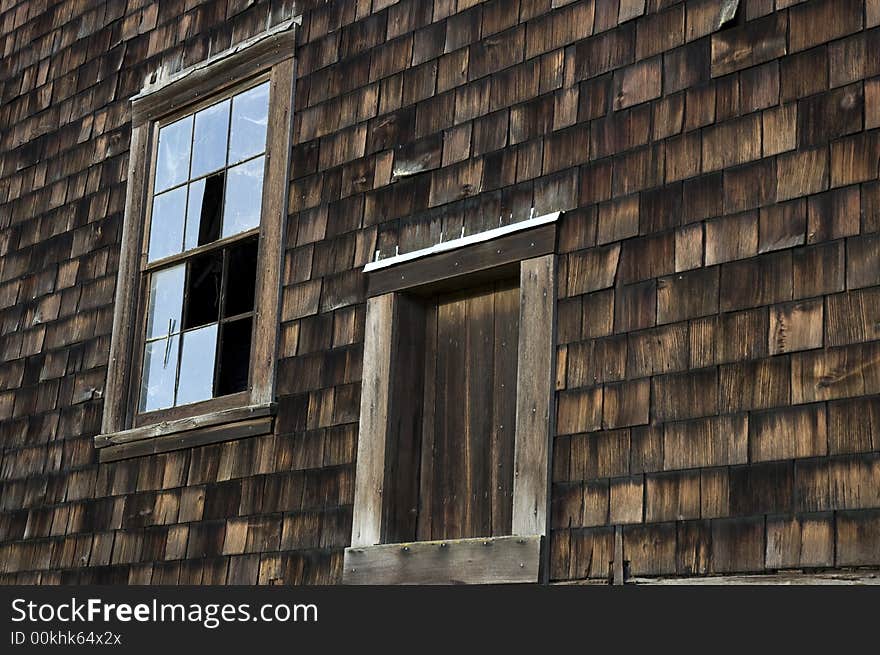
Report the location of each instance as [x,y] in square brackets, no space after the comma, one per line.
[193,347]
[202,252]
[454,436]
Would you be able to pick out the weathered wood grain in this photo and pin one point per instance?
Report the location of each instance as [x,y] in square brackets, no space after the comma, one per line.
[498,560]
[370,470]
[534,405]
[447,266]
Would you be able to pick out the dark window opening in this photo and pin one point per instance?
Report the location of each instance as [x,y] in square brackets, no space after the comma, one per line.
[202,298]
[240,280]
[235,352]
[210,215]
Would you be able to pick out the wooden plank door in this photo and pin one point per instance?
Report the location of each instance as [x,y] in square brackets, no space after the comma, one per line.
[466,477]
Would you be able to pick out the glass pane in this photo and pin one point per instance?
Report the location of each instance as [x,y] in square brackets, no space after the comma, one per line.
[166,301]
[250,115]
[196,380]
[244,193]
[242,278]
[172,162]
[166,224]
[160,370]
[235,356]
[209,139]
[203,290]
[203,213]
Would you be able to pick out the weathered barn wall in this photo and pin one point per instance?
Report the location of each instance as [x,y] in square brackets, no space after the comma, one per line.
[719,297]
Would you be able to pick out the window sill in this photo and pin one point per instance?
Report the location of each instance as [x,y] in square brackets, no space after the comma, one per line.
[482,560]
[224,425]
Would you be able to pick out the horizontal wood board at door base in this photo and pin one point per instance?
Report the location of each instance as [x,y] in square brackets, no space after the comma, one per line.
[489,560]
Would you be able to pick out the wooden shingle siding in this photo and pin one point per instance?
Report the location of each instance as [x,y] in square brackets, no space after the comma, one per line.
[718,330]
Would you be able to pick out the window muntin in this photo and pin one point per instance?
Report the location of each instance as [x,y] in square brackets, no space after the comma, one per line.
[209,170]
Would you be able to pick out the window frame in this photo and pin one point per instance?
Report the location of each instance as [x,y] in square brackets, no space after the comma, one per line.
[527,249]
[125,431]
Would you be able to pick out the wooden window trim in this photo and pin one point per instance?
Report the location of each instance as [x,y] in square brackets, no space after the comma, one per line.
[267,56]
[520,557]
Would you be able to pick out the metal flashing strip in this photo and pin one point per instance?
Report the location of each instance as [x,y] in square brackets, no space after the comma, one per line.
[469,240]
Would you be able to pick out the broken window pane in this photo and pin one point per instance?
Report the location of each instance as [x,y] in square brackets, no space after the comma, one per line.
[172,161]
[241,278]
[203,290]
[244,193]
[160,371]
[250,115]
[166,224]
[209,139]
[166,301]
[196,381]
[194,209]
[235,354]
[203,213]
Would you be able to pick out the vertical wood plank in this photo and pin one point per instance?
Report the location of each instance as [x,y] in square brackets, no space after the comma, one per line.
[479,367]
[402,445]
[272,234]
[375,388]
[534,395]
[118,369]
[449,420]
[428,454]
[504,407]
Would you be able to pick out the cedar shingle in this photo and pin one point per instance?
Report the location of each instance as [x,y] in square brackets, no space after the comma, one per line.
[818,269]
[824,117]
[754,385]
[795,326]
[626,404]
[731,237]
[835,373]
[579,411]
[650,549]
[802,541]
[688,248]
[637,83]
[855,159]
[684,395]
[738,545]
[626,500]
[714,441]
[672,496]
[635,306]
[731,143]
[687,66]
[856,538]
[782,226]
[660,350]
[758,281]
[853,425]
[852,317]
[761,488]
[750,44]
[801,173]
[819,22]
[687,295]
